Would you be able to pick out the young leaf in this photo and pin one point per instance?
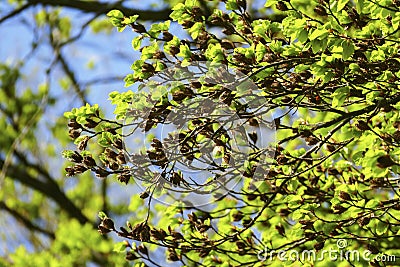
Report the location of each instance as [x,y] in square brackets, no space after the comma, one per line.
[348,49]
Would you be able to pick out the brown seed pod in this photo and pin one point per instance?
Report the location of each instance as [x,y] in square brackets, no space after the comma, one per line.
[385,161]
[108,224]
[319,246]
[281,6]
[130,256]
[167,36]
[320,10]
[362,125]
[344,195]
[89,161]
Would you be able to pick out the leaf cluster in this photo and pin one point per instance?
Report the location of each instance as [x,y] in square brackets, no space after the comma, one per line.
[329,72]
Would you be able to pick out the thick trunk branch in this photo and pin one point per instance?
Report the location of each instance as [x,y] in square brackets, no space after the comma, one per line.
[103,8]
[49,188]
[25,221]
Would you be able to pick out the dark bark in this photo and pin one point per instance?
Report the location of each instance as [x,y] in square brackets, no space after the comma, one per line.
[49,188]
[25,221]
[103,8]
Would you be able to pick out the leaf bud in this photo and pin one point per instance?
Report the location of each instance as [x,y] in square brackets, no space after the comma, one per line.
[91,123]
[364,221]
[108,224]
[144,195]
[344,195]
[83,143]
[174,50]
[143,249]
[130,256]
[320,10]
[74,124]
[103,230]
[281,6]
[385,161]
[76,157]
[319,246]
[139,28]
[373,249]
[89,161]
[74,133]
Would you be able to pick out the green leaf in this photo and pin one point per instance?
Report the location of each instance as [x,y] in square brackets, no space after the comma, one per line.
[69,115]
[184,51]
[121,28]
[195,29]
[316,46]
[348,49]
[102,215]
[328,228]
[120,247]
[270,3]
[115,14]
[371,204]
[67,153]
[214,53]
[381,227]
[339,96]
[276,46]
[377,55]
[136,42]
[130,20]
[303,36]
[341,4]
[359,6]
[297,214]
[231,5]
[178,12]
[318,34]
[354,67]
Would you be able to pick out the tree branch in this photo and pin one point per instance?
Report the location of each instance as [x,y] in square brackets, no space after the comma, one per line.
[71,76]
[15,12]
[25,221]
[100,7]
[49,188]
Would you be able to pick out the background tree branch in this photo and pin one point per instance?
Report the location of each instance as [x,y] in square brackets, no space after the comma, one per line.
[102,7]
